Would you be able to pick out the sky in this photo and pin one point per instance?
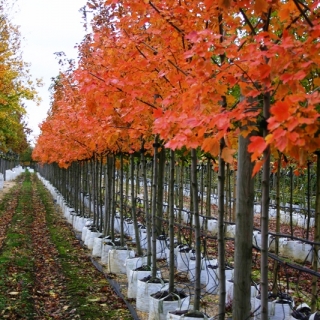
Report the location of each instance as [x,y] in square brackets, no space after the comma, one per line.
[47,26]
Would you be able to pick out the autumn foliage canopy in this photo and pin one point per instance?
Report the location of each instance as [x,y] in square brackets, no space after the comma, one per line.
[193,73]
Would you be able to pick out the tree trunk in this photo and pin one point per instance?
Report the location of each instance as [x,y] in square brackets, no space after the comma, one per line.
[181,179]
[221,240]
[121,201]
[134,208]
[161,170]
[314,298]
[244,229]
[146,205]
[208,191]
[195,209]
[276,265]
[265,214]
[291,200]
[171,222]
[309,199]
[154,207]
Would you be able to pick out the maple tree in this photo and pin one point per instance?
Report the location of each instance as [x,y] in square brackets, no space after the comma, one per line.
[16,86]
[176,69]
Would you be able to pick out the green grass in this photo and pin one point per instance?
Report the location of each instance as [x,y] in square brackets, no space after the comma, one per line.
[16,267]
[86,287]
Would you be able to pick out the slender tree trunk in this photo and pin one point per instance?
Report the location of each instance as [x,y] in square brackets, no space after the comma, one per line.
[308,198]
[121,201]
[106,199]
[265,214]
[112,195]
[181,189]
[190,240]
[209,186]
[195,209]
[227,214]
[101,190]
[315,264]
[127,184]
[162,162]
[134,208]
[154,207]
[244,229]
[146,205]
[221,240]
[201,188]
[276,265]
[171,222]
[291,200]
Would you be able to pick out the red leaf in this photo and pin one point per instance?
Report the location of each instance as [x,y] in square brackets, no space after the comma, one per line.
[256,147]
[280,110]
[227,154]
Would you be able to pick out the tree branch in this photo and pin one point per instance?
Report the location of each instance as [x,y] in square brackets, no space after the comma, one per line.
[178,68]
[303,13]
[253,31]
[172,24]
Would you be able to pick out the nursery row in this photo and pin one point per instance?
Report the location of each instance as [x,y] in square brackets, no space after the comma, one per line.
[124,260]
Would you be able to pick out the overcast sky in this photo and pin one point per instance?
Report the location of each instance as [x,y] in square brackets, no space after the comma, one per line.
[47,26]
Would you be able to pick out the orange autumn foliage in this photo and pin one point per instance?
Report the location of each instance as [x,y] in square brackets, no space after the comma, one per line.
[165,67]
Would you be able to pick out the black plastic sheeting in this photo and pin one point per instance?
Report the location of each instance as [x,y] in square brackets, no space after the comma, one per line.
[114,284]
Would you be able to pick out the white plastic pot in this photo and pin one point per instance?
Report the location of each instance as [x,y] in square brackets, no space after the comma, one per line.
[230,231]
[97,247]
[116,260]
[229,291]
[192,268]
[278,309]
[91,239]
[159,308]
[212,280]
[183,257]
[213,226]
[107,245]
[144,290]
[133,278]
[161,245]
[133,263]
[143,238]
[84,233]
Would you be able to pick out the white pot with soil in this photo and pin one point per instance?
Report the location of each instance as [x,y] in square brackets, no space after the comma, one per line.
[183,257]
[91,234]
[117,224]
[212,226]
[161,246]
[162,302]
[133,263]
[192,270]
[117,258]
[212,279]
[107,245]
[135,275]
[143,237]
[279,307]
[175,253]
[146,287]
[97,246]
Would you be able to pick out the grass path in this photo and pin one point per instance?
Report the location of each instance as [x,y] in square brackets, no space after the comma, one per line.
[44,272]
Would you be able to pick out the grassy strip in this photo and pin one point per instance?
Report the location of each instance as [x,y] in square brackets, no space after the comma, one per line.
[88,290]
[16,266]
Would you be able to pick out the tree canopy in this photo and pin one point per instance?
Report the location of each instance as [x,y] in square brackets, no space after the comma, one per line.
[193,73]
[16,87]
